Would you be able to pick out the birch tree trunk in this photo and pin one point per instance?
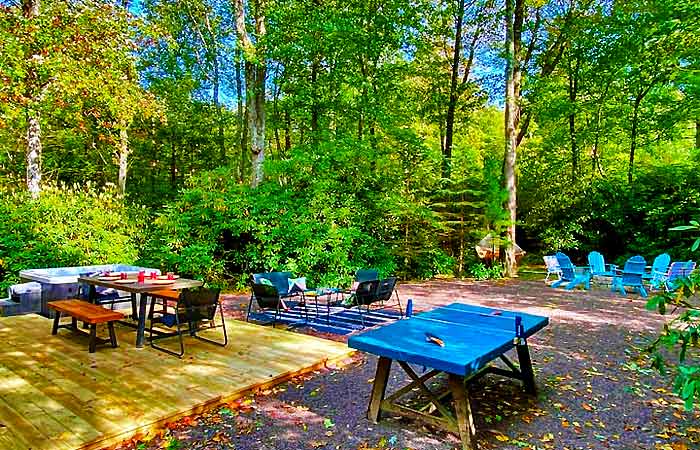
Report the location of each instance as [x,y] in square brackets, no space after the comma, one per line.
[255,74]
[33,153]
[511,136]
[123,158]
[30,9]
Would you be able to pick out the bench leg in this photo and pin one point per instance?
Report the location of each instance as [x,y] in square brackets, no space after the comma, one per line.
[56,319]
[74,323]
[465,420]
[93,338]
[379,389]
[112,335]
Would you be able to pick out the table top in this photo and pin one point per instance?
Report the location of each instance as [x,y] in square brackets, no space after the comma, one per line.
[137,288]
[472,335]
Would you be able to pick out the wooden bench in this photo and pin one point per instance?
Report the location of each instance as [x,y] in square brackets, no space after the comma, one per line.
[88,313]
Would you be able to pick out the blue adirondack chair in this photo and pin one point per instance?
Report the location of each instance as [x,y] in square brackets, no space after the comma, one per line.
[677,271]
[659,268]
[550,261]
[598,267]
[631,276]
[571,274]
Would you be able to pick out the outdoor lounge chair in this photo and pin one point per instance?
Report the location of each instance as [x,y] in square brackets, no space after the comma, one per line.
[599,269]
[195,310]
[571,274]
[659,269]
[550,262]
[360,276]
[268,299]
[372,292]
[676,271]
[631,276]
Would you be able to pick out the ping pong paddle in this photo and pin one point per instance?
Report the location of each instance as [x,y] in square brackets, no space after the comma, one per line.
[434,339]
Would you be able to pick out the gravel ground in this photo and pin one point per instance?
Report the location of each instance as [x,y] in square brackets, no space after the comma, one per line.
[594,391]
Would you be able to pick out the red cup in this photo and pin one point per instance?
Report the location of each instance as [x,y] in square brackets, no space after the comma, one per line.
[142,276]
[171,276]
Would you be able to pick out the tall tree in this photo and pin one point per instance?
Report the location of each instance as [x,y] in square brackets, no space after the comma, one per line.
[35,89]
[513,22]
[255,75]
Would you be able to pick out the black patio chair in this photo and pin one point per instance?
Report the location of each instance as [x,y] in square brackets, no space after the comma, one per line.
[372,292]
[268,298]
[194,309]
[361,275]
[366,275]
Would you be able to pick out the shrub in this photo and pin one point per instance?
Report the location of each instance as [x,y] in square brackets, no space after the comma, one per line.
[66,226]
[321,216]
[480,271]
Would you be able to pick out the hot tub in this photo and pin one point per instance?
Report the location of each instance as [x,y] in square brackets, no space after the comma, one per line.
[62,282]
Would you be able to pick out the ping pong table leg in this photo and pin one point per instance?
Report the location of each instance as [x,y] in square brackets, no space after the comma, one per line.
[379,389]
[465,420]
[526,367]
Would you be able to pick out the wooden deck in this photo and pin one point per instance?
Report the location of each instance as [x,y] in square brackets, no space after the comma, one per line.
[55,395]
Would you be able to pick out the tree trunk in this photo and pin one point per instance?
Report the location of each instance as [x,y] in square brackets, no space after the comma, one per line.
[573,92]
[31,9]
[173,164]
[314,101]
[123,158]
[33,154]
[511,135]
[219,111]
[255,74]
[633,139]
[240,111]
[287,132]
[452,103]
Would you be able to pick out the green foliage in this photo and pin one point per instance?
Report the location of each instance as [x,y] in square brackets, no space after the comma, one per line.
[680,334]
[480,271]
[617,219]
[325,219]
[67,226]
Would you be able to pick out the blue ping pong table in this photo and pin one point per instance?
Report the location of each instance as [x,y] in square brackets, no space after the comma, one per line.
[459,340]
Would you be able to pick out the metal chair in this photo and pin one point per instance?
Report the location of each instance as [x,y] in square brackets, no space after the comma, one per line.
[195,308]
[370,292]
[268,298]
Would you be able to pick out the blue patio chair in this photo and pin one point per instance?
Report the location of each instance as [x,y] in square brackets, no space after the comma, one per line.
[571,274]
[659,269]
[676,271]
[631,276]
[598,268]
[550,262]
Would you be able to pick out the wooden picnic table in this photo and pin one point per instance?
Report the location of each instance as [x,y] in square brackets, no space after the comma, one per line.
[139,292]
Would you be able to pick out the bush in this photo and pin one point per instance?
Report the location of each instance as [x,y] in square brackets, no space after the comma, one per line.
[618,219]
[480,271]
[322,217]
[65,227]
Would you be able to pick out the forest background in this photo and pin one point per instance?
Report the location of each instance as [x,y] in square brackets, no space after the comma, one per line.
[220,138]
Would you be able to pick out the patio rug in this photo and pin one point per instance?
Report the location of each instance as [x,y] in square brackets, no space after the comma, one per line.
[338,320]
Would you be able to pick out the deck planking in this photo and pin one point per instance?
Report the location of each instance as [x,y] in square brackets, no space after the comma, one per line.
[56,395]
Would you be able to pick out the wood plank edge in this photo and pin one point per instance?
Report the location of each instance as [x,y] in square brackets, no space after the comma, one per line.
[148,431]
